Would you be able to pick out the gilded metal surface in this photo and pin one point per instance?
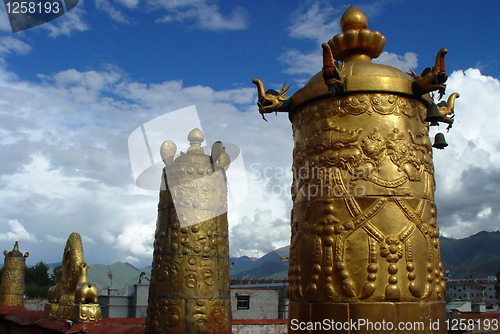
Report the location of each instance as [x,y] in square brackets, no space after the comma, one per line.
[365,240]
[73,297]
[85,291]
[448,108]
[270,100]
[431,79]
[356,39]
[12,284]
[189,290]
[364,227]
[81,313]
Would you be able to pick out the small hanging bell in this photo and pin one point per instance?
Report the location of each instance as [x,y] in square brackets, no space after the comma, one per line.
[433,115]
[439,141]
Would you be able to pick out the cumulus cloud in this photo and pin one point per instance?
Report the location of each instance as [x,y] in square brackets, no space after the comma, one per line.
[17,232]
[56,240]
[403,63]
[67,24]
[318,21]
[10,45]
[467,172]
[300,63]
[115,13]
[66,165]
[129,3]
[252,236]
[203,14]
[137,239]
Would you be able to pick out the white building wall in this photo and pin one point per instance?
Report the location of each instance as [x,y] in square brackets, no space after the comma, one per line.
[474,290]
[263,303]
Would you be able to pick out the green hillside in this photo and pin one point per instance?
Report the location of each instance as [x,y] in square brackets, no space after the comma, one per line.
[477,255]
[124,274]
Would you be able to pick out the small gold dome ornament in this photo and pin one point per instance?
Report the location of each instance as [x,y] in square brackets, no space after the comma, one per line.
[347,68]
[353,18]
[356,40]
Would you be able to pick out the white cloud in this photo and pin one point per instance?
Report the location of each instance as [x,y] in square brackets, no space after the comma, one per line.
[64,148]
[137,239]
[403,63]
[114,13]
[87,240]
[131,259]
[205,16]
[253,237]
[67,24]
[318,21]
[9,44]
[300,63]
[56,240]
[17,232]
[129,3]
[467,172]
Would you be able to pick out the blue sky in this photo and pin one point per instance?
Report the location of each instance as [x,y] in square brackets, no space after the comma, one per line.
[74,89]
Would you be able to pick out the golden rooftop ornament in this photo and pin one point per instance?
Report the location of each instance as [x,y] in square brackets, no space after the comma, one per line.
[189,290]
[12,283]
[73,297]
[365,239]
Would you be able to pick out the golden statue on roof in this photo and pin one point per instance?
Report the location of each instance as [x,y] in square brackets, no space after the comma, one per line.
[12,280]
[189,290]
[73,297]
[365,239]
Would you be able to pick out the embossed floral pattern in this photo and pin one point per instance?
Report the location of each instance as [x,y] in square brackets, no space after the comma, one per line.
[391,249]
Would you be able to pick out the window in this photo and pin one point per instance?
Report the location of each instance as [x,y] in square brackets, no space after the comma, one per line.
[243,302]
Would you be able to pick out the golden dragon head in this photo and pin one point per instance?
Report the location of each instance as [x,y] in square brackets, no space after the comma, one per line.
[431,79]
[270,100]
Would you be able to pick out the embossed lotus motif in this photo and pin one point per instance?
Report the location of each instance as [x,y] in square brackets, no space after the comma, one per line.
[391,249]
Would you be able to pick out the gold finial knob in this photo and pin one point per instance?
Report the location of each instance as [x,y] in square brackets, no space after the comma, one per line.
[357,43]
[14,252]
[353,18]
[195,138]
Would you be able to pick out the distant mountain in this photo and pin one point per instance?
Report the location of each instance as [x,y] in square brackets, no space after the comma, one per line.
[124,274]
[269,264]
[264,271]
[477,255]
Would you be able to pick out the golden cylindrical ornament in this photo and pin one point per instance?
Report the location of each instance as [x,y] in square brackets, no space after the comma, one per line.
[364,250]
[364,243]
[189,291]
[12,284]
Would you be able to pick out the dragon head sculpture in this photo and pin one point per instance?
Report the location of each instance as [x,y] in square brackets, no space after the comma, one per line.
[270,100]
[431,79]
